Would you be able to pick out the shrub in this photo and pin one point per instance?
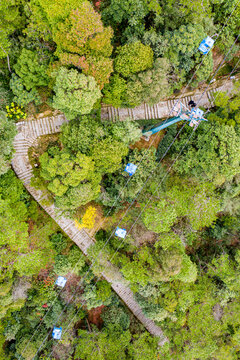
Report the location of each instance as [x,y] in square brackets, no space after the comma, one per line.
[7,133]
[59,242]
[133,58]
[22,96]
[114,92]
[88,219]
[15,112]
[31,69]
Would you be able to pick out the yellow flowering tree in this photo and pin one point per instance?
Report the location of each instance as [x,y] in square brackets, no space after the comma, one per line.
[88,219]
[15,112]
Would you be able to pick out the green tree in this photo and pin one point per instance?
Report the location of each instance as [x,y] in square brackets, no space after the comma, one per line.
[72,179]
[12,18]
[128,17]
[114,184]
[197,202]
[183,54]
[210,155]
[108,154]
[149,86]
[82,41]
[97,296]
[116,315]
[68,170]
[22,96]
[227,111]
[126,131]
[31,69]
[109,344]
[226,270]
[160,216]
[75,94]
[223,10]
[154,265]
[114,92]
[19,252]
[32,348]
[182,200]
[73,262]
[5,97]
[144,347]
[46,15]
[157,41]
[7,133]
[79,195]
[81,134]
[133,58]
[13,236]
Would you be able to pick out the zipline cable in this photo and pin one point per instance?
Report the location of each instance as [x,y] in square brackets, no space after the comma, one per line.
[185,88]
[147,202]
[64,332]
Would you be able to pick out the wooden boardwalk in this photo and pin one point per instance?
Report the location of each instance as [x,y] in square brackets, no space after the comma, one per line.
[163,108]
[28,132]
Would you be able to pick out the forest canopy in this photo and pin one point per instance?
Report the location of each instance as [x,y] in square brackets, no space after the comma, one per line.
[97,223]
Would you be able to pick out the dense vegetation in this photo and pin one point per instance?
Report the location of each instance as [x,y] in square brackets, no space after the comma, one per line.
[181,255]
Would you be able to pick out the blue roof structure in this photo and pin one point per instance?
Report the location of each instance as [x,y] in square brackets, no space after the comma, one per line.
[121,232]
[57,333]
[206,45]
[61,281]
[130,169]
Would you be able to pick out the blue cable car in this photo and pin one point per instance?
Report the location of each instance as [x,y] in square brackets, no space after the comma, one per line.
[57,333]
[197,113]
[121,232]
[61,281]
[195,117]
[130,169]
[206,45]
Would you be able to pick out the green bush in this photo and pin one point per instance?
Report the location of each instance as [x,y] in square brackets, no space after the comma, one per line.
[22,96]
[5,97]
[114,92]
[132,58]
[59,242]
[117,316]
[7,133]
[31,69]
